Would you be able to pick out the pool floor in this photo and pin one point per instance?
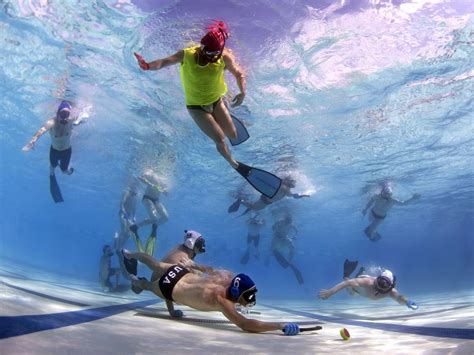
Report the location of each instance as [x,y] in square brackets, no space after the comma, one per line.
[45,315]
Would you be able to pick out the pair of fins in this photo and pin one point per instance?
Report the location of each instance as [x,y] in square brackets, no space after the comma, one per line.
[150,243]
[55,190]
[264,182]
[349,268]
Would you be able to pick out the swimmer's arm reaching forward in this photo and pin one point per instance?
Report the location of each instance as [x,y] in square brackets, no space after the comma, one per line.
[45,128]
[415,197]
[247,325]
[325,294]
[403,300]
[160,63]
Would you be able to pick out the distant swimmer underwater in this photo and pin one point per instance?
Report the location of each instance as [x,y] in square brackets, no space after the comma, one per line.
[287,184]
[157,213]
[60,129]
[212,290]
[372,287]
[202,78]
[381,203]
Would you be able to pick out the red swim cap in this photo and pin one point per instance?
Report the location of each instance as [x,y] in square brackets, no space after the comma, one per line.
[214,40]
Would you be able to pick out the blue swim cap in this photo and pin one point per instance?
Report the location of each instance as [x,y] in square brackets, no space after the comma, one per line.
[243,286]
[64,109]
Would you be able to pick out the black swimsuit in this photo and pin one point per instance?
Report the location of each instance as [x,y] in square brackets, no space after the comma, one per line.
[169,280]
[206,108]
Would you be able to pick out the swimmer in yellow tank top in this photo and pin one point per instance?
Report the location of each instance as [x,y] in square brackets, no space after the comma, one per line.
[202,77]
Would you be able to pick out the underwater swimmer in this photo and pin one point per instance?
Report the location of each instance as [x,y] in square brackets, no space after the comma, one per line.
[60,129]
[202,78]
[157,213]
[374,288]
[287,184]
[217,290]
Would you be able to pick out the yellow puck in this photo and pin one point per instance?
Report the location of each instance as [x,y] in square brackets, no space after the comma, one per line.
[344,334]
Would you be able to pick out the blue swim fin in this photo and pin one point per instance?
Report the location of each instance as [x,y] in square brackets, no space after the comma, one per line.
[242,133]
[54,188]
[264,182]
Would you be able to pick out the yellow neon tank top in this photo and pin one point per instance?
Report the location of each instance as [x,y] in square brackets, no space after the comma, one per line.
[202,85]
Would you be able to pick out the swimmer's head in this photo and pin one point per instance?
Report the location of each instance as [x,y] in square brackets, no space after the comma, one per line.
[243,290]
[107,250]
[213,42]
[194,241]
[64,111]
[387,191]
[289,181]
[385,282]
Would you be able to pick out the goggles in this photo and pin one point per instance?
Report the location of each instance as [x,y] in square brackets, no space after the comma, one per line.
[63,115]
[209,53]
[249,297]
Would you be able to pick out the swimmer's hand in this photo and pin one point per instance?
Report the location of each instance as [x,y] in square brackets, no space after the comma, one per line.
[238,99]
[325,294]
[141,62]
[28,147]
[412,305]
[300,196]
[177,313]
[187,263]
[291,329]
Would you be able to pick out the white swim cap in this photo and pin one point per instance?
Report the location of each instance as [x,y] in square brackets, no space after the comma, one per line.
[195,241]
[388,274]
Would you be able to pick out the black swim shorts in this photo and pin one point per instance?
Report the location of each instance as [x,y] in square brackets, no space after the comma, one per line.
[169,280]
[206,108]
[376,216]
[63,157]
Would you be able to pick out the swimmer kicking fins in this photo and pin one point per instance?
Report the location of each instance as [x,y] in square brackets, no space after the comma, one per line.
[349,267]
[242,133]
[264,182]
[54,188]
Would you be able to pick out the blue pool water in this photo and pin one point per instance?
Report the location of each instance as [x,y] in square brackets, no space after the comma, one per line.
[344,95]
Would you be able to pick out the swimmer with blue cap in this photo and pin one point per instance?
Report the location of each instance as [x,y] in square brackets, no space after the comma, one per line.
[204,289]
[60,128]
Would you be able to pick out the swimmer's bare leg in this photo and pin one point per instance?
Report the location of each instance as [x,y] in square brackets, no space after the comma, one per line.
[149,261]
[371,230]
[209,126]
[141,283]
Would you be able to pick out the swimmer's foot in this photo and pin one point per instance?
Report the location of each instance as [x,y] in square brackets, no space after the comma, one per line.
[135,284]
[375,237]
[69,171]
[370,234]
[235,206]
[131,265]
